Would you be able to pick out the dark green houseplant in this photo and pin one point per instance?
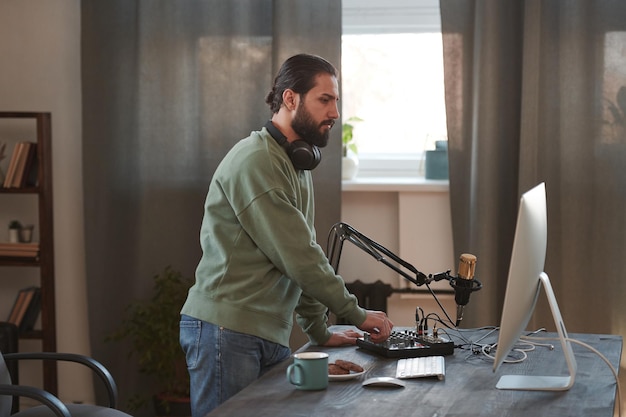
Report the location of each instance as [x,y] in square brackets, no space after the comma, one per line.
[152,327]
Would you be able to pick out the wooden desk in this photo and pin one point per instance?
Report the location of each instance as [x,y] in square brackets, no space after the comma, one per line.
[468,389]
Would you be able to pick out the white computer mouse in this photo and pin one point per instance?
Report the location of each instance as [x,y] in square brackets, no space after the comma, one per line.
[383,381]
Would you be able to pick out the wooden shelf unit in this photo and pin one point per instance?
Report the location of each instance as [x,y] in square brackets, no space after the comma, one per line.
[45,261]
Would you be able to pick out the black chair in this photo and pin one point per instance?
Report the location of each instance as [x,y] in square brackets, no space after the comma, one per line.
[52,406]
[9,337]
[370,296]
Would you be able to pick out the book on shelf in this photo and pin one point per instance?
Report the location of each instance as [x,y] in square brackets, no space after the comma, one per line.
[25,164]
[19,246]
[8,178]
[15,311]
[21,166]
[31,172]
[26,308]
[19,250]
[22,150]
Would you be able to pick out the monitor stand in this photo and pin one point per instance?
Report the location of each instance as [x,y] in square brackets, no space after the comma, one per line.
[546,383]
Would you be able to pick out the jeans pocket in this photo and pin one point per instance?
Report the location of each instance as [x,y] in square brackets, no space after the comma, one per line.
[190,332]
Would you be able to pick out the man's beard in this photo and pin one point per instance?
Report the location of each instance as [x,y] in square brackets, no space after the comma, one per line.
[309,131]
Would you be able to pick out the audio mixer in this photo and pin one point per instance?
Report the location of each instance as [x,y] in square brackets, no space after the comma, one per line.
[408,344]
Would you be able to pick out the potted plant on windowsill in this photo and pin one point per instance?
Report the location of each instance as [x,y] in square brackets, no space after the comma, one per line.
[349,160]
[153,329]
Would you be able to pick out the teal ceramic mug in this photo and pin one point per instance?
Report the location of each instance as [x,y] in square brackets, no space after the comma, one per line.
[309,371]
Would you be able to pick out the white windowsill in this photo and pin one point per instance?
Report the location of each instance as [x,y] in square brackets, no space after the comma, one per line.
[395,184]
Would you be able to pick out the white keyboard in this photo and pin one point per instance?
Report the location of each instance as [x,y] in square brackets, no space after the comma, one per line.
[424,366]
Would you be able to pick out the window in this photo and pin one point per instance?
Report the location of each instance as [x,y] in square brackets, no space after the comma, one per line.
[392,78]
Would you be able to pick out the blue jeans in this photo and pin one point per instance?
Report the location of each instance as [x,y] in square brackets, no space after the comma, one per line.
[222,362]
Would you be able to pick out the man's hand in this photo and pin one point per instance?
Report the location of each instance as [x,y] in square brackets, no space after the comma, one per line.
[347,337]
[378,325]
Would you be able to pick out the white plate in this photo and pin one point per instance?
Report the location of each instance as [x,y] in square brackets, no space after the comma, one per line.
[344,377]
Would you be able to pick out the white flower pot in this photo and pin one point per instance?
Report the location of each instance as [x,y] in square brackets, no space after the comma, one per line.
[14,235]
[349,167]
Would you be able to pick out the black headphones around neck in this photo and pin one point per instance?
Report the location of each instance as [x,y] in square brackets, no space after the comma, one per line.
[302,154]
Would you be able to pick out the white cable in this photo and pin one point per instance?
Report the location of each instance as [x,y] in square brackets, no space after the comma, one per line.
[486,350]
[597,352]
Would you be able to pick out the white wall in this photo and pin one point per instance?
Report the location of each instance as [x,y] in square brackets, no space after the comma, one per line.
[412,223]
[40,71]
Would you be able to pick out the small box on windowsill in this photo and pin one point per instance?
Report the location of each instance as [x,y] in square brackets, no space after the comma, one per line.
[437,162]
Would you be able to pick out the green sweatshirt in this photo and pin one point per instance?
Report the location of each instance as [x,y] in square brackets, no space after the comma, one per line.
[260,258]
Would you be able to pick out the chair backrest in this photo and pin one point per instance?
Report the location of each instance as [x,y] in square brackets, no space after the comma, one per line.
[5,376]
[370,296]
[6,401]
[8,374]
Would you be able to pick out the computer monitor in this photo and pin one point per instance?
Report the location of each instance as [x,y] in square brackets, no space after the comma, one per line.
[526,277]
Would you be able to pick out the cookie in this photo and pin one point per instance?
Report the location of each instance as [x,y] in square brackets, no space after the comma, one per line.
[350,366]
[334,369]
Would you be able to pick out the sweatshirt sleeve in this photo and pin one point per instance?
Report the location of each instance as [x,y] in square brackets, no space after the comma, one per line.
[311,317]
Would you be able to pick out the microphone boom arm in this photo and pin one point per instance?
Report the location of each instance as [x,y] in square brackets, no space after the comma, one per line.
[342,231]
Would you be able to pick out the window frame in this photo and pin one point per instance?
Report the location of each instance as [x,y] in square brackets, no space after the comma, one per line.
[391,16]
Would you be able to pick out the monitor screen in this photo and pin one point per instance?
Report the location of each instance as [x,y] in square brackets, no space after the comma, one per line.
[527,262]
[526,278]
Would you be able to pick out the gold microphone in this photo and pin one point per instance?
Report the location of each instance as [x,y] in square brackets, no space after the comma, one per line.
[464,283]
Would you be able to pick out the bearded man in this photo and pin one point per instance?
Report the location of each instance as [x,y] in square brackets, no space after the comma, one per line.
[260,259]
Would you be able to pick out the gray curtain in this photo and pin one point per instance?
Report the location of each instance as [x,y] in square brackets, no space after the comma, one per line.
[535,91]
[168,88]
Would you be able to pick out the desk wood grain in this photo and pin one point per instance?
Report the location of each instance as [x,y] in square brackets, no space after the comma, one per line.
[467,390]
